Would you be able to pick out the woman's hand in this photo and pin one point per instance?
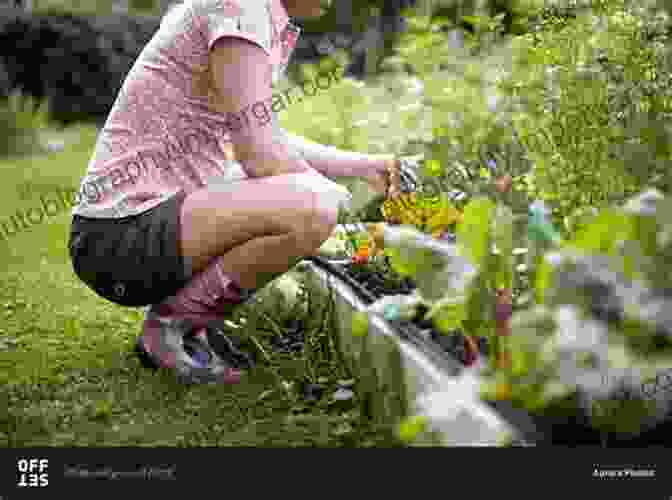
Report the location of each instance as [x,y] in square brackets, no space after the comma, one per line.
[387,178]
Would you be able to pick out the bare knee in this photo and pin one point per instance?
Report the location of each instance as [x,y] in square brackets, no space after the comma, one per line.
[317,226]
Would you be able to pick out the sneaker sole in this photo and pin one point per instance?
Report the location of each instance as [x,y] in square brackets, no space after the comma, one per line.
[193,378]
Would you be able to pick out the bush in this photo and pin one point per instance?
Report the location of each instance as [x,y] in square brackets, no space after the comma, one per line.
[21,119]
[72,7]
[595,100]
[576,110]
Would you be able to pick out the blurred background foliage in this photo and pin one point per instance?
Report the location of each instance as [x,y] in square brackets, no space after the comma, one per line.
[571,98]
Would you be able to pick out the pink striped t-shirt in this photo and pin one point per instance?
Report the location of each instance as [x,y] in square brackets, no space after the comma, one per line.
[162,136]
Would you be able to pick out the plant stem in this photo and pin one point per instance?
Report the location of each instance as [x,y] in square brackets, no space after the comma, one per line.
[260,348]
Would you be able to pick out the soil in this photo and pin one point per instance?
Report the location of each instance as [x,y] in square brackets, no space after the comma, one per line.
[385,281]
[380,282]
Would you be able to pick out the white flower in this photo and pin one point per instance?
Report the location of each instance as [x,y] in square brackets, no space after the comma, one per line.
[554,259]
[492,102]
[415,86]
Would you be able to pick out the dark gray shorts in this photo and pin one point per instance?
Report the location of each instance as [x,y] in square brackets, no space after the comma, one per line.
[132,261]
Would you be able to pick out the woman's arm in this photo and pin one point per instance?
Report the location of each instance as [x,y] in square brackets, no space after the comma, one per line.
[242,83]
[381,172]
[334,163]
[240,71]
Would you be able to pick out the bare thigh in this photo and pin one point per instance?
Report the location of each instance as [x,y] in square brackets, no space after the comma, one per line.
[220,217]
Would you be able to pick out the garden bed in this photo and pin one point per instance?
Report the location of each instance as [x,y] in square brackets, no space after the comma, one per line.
[429,359]
[403,364]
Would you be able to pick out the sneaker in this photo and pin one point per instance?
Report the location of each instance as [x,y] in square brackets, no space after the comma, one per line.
[170,343]
[227,348]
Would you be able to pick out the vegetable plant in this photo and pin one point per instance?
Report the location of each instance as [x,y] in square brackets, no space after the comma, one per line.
[534,147]
[582,325]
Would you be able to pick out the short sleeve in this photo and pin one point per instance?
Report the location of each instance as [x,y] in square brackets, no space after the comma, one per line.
[247,19]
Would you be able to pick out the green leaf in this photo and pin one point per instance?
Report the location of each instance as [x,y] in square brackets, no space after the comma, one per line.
[503,270]
[411,262]
[360,324]
[448,315]
[475,20]
[604,231]
[411,427]
[399,265]
[474,232]
[433,168]
[543,280]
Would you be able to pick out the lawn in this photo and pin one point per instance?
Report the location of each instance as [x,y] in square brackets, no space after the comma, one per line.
[69,376]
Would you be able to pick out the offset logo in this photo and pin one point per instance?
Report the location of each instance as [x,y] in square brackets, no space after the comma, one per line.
[32,472]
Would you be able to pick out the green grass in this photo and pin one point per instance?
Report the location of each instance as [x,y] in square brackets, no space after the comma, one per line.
[68,376]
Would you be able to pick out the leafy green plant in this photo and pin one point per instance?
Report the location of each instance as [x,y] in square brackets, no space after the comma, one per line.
[595,336]
[600,327]
[573,112]
[592,332]
[595,101]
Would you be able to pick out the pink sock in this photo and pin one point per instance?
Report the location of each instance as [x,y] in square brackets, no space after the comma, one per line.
[209,293]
